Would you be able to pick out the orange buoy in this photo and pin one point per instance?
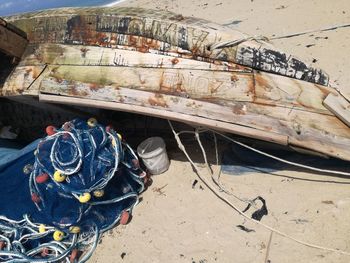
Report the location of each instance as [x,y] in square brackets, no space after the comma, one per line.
[42,178]
[50,130]
[124,217]
[74,255]
[36,198]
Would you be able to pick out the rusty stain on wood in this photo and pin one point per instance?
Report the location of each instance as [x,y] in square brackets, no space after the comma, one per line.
[158,100]
[175,61]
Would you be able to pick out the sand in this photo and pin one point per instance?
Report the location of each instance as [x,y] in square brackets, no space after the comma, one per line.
[177,223]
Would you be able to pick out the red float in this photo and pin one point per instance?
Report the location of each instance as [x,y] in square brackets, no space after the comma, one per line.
[74,256]
[45,252]
[2,244]
[35,198]
[50,130]
[124,217]
[42,178]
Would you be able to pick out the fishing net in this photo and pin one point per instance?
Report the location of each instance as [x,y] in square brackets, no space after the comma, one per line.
[59,194]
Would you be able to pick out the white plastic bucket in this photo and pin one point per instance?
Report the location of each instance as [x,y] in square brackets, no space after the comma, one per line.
[154,155]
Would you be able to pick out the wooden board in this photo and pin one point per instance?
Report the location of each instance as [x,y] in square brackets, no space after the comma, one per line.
[228,118]
[272,89]
[339,106]
[63,54]
[319,132]
[163,32]
[11,43]
[21,80]
[207,85]
[190,119]
[185,77]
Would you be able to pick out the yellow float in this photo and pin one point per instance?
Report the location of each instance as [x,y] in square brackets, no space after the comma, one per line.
[92,122]
[42,228]
[58,235]
[59,177]
[84,198]
[99,193]
[74,229]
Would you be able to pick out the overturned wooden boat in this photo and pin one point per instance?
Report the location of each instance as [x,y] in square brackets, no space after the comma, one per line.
[180,68]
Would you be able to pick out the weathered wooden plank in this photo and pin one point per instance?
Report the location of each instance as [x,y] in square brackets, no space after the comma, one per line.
[142,29]
[34,87]
[294,123]
[263,117]
[339,106]
[269,88]
[158,112]
[204,113]
[59,54]
[337,146]
[273,89]
[103,83]
[162,32]
[106,83]
[234,112]
[198,84]
[11,43]
[21,79]
[261,88]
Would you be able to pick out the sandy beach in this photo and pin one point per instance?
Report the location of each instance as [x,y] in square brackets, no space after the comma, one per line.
[176,222]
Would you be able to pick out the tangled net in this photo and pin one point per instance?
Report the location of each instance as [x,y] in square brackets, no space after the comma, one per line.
[59,194]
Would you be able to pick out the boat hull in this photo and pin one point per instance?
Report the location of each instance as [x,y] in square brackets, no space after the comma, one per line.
[168,66]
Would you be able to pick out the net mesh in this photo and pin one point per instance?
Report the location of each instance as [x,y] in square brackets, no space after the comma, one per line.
[60,193]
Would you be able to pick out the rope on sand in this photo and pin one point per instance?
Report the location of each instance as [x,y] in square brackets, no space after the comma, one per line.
[311,31]
[236,42]
[219,195]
